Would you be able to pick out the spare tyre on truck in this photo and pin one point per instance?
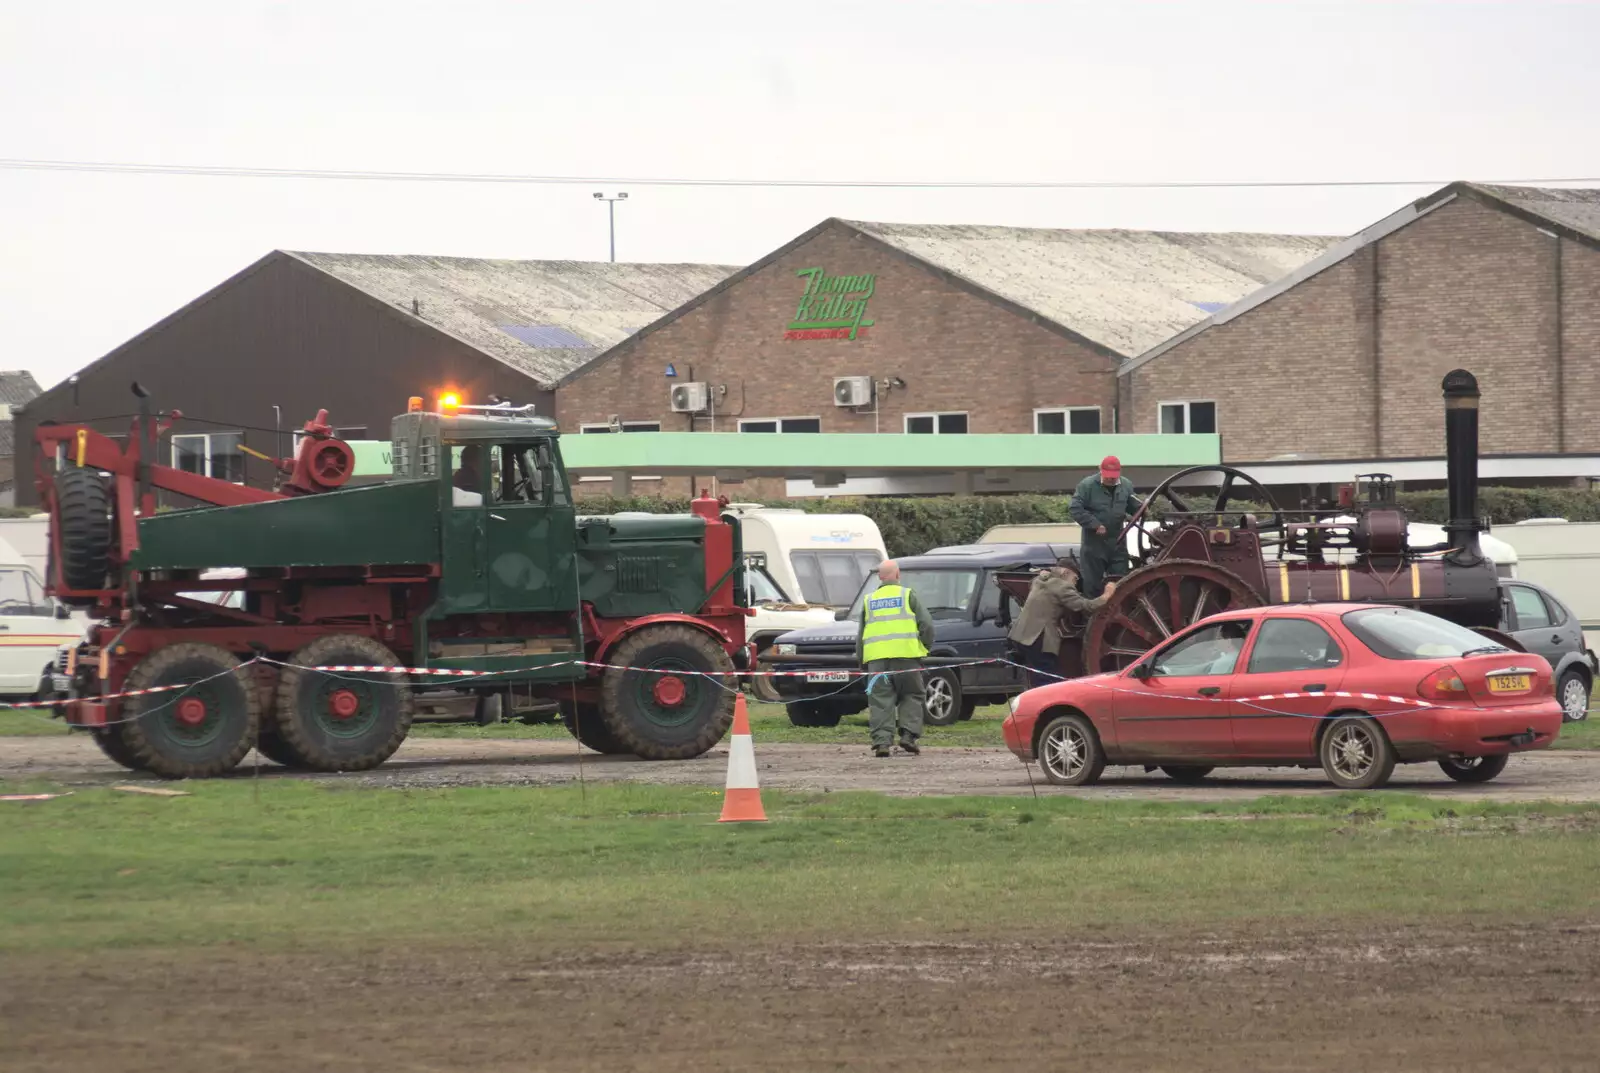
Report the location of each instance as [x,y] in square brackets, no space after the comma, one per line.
[301,620]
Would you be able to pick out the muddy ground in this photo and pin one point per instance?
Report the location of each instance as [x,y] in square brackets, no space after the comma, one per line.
[1503,997]
[1558,776]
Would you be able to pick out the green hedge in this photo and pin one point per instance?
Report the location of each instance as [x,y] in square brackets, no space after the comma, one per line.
[912,526]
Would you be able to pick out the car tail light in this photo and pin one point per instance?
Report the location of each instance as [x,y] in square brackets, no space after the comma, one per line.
[1443,684]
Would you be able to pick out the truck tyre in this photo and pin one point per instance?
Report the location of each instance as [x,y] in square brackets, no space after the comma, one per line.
[584,723]
[109,739]
[195,732]
[765,688]
[339,721]
[814,713]
[83,503]
[658,714]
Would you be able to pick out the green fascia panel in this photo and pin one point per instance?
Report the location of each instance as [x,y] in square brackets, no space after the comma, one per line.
[805,453]
[860,453]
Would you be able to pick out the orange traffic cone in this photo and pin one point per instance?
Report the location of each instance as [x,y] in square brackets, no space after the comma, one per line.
[741,802]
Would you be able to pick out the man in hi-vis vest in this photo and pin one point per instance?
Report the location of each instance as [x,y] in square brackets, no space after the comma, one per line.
[895,634]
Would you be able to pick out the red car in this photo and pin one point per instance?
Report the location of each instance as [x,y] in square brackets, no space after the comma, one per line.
[1355,688]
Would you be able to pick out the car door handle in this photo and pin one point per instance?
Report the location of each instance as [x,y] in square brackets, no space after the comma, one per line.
[1556,639]
[497,517]
[1210,691]
[1315,687]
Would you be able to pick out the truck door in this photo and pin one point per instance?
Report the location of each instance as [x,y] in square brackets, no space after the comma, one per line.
[529,530]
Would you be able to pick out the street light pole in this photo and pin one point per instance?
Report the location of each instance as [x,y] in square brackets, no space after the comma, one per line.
[611,212]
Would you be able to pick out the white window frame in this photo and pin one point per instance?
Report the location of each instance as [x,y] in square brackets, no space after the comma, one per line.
[780,420]
[605,426]
[905,425]
[206,470]
[1188,422]
[1066,420]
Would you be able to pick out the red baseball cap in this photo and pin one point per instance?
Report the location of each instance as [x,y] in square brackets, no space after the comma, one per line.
[1110,467]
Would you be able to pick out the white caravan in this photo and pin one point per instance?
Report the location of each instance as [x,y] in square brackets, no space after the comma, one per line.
[35,630]
[818,559]
[1564,557]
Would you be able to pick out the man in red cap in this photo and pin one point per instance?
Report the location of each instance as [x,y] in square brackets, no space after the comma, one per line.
[1101,505]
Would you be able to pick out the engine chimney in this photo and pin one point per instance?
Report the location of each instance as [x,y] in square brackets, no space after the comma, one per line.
[1461,460]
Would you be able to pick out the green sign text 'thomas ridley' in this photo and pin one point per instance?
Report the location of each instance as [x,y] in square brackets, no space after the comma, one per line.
[832,307]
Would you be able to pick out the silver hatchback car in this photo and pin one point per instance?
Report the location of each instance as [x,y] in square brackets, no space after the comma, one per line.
[1543,624]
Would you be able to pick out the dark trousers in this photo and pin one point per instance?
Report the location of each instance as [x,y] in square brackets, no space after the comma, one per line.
[1096,561]
[1043,667]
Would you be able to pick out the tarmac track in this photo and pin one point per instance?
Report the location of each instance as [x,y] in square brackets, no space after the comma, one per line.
[1556,775]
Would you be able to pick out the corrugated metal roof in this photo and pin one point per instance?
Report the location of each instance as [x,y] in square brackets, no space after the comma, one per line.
[579,308]
[1126,290]
[1578,209]
[18,387]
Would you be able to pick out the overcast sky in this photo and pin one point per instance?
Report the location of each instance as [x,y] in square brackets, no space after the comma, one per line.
[814,89]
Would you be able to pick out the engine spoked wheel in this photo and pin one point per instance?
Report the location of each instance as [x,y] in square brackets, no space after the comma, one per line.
[343,721]
[199,730]
[1155,602]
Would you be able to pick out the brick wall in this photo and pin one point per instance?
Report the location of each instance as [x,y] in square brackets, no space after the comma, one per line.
[1291,377]
[956,351]
[1465,286]
[1580,340]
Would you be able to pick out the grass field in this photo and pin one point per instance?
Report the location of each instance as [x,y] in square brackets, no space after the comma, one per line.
[767,724]
[285,865]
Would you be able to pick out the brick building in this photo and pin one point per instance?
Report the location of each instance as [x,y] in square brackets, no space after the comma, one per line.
[944,329]
[1340,361]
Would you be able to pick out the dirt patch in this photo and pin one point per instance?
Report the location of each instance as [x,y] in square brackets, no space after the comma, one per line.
[1472,998]
[421,762]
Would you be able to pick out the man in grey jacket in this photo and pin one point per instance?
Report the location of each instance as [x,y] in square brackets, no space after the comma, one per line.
[1036,635]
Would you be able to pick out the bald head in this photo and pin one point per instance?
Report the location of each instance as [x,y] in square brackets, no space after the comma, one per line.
[888,570]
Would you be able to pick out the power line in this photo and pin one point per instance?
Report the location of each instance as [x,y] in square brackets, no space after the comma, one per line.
[219,171]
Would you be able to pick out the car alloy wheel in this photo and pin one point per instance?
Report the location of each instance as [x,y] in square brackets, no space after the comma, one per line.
[941,704]
[1574,699]
[1353,752]
[1066,750]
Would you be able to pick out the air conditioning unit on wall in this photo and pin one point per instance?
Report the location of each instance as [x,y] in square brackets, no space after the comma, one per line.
[689,398]
[852,391]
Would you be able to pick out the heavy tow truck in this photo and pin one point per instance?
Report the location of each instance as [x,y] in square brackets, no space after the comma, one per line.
[468,565]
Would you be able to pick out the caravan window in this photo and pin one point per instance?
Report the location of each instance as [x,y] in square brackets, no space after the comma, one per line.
[832,577]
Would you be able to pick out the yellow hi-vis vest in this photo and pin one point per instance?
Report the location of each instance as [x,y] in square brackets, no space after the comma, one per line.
[891,627]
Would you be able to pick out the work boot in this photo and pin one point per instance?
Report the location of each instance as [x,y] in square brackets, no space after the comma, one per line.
[880,751]
[909,744]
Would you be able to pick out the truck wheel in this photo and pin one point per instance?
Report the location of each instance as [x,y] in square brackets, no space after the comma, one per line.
[658,714]
[109,739]
[814,713]
[587,726]
[84,505]
[764,688]
[1475,768]
[195,732]
[343,722]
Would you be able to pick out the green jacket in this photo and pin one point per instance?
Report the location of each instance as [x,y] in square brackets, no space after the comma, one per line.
[924,622]
[1093,504]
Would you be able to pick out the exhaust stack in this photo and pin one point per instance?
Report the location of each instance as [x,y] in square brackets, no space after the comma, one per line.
[1461,460]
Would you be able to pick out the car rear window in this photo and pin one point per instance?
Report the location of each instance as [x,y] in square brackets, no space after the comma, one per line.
[1401,633]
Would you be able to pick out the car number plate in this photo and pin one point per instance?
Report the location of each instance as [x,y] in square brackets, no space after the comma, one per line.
[1510,683]
[829,676]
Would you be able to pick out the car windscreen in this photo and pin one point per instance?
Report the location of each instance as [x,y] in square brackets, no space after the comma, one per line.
[832,576]
[1402,633]
[762,589]
[943,593]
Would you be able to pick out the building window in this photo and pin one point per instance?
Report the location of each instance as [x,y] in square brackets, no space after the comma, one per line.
[1180,417]
[627,426]
[212,454]
[938,423]
[781,424]
[1074,420]
[357,432]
